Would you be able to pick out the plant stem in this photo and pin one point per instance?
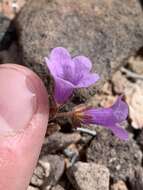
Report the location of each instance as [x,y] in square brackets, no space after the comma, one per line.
[64,114]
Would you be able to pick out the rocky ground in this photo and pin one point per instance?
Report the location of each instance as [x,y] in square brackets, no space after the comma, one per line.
[111,34]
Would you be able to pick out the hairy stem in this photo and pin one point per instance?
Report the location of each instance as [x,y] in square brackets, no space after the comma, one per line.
[64,114]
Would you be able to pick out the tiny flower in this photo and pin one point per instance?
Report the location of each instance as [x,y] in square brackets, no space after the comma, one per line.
[69,73]
[110,118]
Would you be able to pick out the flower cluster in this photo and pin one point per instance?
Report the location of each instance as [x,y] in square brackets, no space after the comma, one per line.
[73,73]
[68,73]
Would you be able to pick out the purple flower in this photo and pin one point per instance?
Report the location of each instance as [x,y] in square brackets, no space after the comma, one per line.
[108,117]
[69,73]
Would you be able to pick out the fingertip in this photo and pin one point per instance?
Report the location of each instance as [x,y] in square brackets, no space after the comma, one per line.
[23,117]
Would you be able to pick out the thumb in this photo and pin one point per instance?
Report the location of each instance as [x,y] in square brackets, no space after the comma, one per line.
[23,122]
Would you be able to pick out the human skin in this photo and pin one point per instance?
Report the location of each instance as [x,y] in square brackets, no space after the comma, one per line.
[23,122]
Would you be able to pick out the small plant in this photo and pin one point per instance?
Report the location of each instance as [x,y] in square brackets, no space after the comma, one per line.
[70,74]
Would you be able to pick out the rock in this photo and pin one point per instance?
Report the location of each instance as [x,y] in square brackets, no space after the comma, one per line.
[10,8]
[91,176]
[57,187]
[136,179]
[120,82]
[136,64]
[134,98]
[119,185]
[141,2]
[58,141]
[32,188]
[48,171]
[57,166]
[39,175]
[52,128]
[106,31]
[140,139]
[4,25]
[119,156]
[10,55]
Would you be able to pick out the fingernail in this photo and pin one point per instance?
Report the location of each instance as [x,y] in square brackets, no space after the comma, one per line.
[18,99]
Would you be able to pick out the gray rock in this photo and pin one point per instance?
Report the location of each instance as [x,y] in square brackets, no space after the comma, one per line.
[58,141]
[91,176]
[39,175]
[48,171]
[7,32]
[32,188]
[121,157]
[136,179]
[136,64]
[106,31]
[140,139]
[57,187]
[57,166]
[10,55]
[119,185]
[4,24]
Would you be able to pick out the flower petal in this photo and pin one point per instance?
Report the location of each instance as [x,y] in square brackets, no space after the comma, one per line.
[63,90]
[103,117]
[120,132]
[109,116]
[59,54]
[120,110]
[99,116]
[75,71]
[50,66]
[82,67]
[69,72]
[58,60]
[87,80]
[82,64]
[63,64]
